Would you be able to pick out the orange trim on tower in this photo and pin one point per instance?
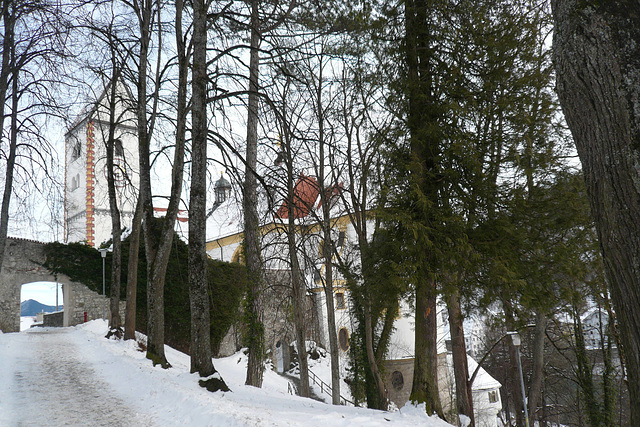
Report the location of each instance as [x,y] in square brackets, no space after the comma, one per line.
[90,181]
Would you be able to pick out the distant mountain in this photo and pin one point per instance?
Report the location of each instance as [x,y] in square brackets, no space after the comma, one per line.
[32,307]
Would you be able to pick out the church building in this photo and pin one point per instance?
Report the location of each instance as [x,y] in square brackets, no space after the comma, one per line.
[86,208]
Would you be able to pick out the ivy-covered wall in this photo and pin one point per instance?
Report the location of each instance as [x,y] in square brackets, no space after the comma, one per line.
[227,285]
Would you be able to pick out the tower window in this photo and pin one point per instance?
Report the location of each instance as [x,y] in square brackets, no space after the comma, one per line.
[76,151]
[340,301]
[222,190]
[118,149]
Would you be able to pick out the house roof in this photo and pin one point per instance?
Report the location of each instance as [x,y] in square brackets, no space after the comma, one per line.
[227,219]
[305,195]
[482,381]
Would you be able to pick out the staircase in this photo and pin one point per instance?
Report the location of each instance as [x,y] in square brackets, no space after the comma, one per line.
[294,387]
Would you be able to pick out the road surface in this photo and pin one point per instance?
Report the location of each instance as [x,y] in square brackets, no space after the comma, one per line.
[43,381]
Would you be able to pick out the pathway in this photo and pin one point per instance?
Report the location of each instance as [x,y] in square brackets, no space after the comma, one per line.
[45,382]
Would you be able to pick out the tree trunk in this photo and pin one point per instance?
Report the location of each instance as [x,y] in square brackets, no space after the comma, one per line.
[513,383]
[299,297]
[115,327]
[425,371]
[423,121]
[327,250]
[297,281]
[596,51]
[584,373]
[132,273]
[158,239]
[537,378]
[383,401]
[255,366]
[8,67]
[459,353]
[200,346]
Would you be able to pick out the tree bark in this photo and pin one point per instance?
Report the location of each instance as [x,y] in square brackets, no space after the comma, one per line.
[425,377]
[132,273]
[200,347]
[383,401]
[464,400]
[255,366]
[115,327]
[596,51]
[299,297]
[8,67]
[423,121]
[537,378]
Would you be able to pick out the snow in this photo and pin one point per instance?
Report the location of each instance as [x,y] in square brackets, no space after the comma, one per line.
[26,322]
[68,374]
[482,381]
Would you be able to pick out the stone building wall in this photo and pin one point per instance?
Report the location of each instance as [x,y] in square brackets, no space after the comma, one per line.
[23,263]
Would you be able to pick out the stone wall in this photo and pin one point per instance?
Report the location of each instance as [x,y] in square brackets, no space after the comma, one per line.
[22,264]
[279,329]
[399,378]
[53,319]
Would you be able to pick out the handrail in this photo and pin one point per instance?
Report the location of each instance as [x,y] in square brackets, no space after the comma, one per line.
[326,388]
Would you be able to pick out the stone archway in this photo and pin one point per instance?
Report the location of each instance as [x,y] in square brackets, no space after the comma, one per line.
[23,263]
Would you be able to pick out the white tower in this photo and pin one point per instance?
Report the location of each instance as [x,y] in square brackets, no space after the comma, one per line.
[87,215]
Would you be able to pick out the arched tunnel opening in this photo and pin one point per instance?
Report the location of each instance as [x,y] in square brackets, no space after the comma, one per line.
[38,298]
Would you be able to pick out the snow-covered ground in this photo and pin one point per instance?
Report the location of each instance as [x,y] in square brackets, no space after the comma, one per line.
[74,376]
[26,322]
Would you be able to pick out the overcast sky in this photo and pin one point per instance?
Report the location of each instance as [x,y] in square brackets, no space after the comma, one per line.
[43,292]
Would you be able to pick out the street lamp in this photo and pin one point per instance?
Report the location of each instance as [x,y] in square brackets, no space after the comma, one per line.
[103,252]
[515,339]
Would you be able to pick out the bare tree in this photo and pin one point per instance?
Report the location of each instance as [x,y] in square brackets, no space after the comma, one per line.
[200,347]
[33,46]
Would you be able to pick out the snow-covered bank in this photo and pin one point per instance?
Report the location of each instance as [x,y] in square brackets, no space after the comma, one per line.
[172,397]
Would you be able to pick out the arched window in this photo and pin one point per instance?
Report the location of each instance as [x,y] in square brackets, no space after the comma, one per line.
[343,339]
[397,380]
[238,255]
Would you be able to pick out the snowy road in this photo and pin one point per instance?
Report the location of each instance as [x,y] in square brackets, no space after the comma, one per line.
[76,377]
[48,384]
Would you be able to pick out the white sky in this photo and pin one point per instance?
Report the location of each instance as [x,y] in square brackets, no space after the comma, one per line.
[43,292]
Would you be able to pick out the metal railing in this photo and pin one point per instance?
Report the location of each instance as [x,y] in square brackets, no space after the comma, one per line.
[326,388]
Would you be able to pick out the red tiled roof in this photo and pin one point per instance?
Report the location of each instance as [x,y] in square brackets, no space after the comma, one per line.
[306,193]
[183,215]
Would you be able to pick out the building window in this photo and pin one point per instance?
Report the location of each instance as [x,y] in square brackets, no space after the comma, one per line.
[118,149]
[493,396]
[397,380]
[75,182]
[76,151]
[341,237]
[343,339]
[340,301]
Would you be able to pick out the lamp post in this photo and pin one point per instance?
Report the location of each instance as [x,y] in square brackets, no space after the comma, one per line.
[515,339]
[103,252]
